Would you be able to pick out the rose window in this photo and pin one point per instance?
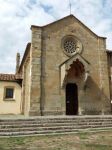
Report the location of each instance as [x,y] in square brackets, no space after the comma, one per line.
[69,46]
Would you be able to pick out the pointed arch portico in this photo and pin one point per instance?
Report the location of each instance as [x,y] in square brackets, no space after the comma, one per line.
[74,73]
[79,62]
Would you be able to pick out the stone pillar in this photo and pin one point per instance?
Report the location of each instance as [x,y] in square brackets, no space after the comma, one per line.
[111,79]
[23,93]
[111,74]
[104,77]
[17,61]
[35,72]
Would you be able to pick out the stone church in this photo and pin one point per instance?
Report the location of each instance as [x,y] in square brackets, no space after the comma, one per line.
[65,70]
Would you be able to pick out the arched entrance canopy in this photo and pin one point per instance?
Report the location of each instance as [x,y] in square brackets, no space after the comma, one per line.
[79,62]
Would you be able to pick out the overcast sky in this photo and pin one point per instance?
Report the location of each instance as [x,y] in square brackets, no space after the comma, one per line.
[16,17]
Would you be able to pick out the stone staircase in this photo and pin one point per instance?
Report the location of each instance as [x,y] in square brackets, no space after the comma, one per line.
[51,125]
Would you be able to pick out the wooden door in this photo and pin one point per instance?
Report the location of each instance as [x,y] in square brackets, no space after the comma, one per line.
[71,99]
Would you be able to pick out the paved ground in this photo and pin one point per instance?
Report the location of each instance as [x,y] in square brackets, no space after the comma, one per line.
[100,140]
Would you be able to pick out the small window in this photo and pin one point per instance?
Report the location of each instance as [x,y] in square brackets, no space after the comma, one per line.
[9,93]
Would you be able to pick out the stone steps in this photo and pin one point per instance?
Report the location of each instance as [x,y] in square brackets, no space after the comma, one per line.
[44,132]
[53,121]
[49,125]
[52,128]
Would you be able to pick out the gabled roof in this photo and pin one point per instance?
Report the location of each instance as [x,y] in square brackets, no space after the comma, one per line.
[69,16]
[25,56]
[10,77]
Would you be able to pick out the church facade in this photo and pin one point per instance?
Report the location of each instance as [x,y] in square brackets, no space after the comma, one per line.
[65,70]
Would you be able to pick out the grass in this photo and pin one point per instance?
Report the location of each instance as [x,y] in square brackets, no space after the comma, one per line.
[99,140]
[98,147]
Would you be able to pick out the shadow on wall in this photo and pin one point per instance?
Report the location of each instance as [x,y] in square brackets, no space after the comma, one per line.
[94,101]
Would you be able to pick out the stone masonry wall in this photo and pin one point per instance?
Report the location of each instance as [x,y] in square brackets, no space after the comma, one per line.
[27,88]
[46,95]
[35,89]
[104,77]
[90,99]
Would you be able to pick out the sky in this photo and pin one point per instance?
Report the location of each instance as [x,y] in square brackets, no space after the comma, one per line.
[17,16]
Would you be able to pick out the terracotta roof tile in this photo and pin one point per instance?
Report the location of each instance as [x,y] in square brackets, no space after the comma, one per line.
[9,77]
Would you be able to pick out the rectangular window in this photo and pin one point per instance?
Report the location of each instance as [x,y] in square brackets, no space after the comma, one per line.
[9,93]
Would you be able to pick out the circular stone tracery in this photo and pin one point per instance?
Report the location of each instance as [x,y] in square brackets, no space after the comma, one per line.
[70,46]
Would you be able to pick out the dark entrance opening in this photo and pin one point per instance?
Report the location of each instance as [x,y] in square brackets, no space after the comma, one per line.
[71,99]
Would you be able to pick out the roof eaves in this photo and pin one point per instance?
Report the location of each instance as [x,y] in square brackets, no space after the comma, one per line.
[35,26]
[10,77]
[108,51]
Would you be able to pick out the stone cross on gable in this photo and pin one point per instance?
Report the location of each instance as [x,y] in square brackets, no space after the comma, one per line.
[70,6]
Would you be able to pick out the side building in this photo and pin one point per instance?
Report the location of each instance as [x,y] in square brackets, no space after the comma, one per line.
[10,94]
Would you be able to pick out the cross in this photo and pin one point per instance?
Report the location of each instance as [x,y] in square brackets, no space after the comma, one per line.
[70,6]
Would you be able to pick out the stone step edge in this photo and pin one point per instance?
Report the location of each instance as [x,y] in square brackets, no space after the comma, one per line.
[45,121]
[57,133]
[60,117]
[3,126]
[52,128]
